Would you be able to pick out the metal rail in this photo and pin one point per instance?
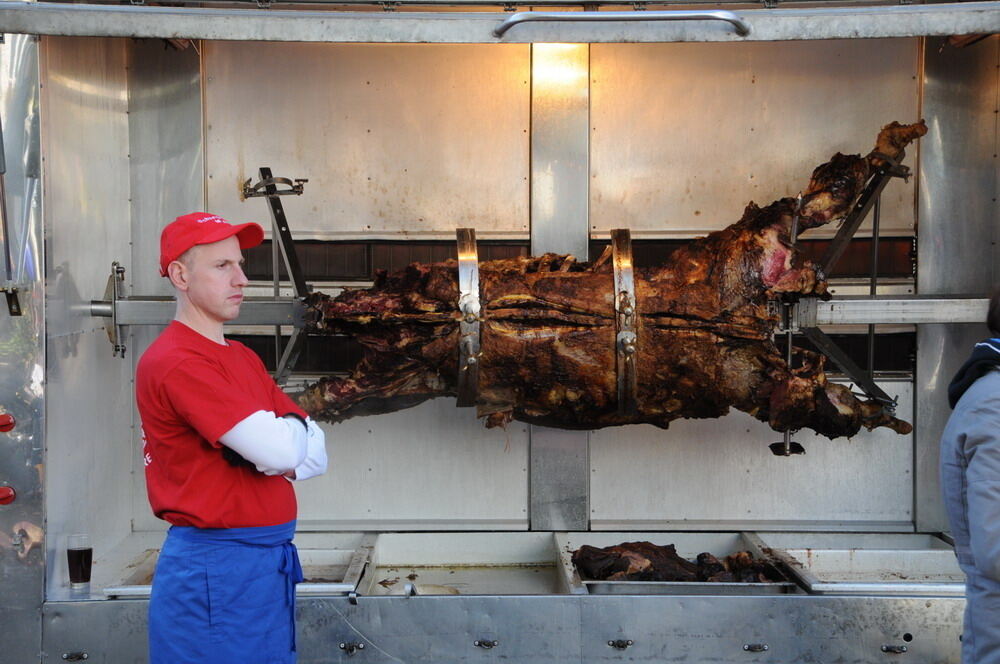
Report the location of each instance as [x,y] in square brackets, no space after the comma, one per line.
[50,18]
[742,28]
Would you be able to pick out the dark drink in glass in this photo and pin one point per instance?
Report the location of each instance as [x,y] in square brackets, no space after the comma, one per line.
[80,557]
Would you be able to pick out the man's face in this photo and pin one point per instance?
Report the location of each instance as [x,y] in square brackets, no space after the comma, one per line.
[213,278]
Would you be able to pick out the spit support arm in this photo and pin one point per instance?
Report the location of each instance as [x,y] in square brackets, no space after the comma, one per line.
[281,239]
[122,311]
[868,200]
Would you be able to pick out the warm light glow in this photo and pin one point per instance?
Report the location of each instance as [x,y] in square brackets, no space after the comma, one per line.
[558,65]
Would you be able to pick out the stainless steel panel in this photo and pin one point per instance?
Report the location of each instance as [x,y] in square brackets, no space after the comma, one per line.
[86,176]
[167,176]
[89,450]
[685,135]
[276,25]
[719,474]
[566,629]
[86,182]
[958,233]
[560,146]
[404,142]
[22,362]
[795,628]
[560,103]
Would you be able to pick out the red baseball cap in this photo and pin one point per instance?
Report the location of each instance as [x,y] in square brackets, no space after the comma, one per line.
[188,230]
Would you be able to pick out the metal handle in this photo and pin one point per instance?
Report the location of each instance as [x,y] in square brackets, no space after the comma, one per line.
[894,650]
[742,27]
[755,647]
[487,644]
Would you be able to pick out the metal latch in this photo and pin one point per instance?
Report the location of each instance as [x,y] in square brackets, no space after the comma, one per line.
[351,648]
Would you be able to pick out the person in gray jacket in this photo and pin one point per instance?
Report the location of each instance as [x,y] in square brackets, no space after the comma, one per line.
[970,482]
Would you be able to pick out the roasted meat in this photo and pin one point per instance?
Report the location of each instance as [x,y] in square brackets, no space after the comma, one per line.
[645,561]
[704,329]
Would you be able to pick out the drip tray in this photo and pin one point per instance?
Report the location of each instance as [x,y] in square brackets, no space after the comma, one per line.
[327,571]
[463,564]
[869,563]
[688,546]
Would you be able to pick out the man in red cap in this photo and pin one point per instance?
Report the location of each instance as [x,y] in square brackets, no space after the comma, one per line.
[221,443]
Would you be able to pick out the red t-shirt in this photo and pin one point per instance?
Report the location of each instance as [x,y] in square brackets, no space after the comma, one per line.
[190,391]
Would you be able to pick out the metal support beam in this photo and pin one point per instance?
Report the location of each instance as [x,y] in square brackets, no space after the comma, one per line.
[559,464]
[914,310]
[49,18]
[160,311]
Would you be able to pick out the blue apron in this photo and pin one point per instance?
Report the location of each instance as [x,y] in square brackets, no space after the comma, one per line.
[225,596]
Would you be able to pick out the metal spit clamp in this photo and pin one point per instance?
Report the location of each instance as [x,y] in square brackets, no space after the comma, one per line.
[113,294]
[470,308]
[625,320]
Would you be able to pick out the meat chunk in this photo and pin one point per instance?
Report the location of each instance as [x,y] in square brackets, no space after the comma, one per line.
[704,329]
[645,561]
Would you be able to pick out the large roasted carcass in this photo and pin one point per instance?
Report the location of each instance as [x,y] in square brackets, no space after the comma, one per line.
[704,331]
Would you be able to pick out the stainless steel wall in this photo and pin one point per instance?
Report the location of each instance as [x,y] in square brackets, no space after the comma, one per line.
[84,127]
[22,361]
[167,179]
[398,141]
[958,232]
[684,135]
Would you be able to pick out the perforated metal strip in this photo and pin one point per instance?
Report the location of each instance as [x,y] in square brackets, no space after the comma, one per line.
[469,307]
[625,320]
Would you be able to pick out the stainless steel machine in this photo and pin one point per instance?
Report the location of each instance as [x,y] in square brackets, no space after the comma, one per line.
[433,539]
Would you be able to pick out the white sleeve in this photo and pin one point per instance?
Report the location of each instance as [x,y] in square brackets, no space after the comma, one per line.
[275,445]
[315,461]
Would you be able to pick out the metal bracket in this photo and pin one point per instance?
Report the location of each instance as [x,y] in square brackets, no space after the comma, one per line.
[469,307]
[625,320]
[113,294]
[295,187]
[13,302]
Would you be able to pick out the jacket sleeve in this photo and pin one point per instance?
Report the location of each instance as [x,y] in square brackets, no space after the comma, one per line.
[982,453]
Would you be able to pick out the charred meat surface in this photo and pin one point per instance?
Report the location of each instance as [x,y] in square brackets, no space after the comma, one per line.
[704,328]
[645,561]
